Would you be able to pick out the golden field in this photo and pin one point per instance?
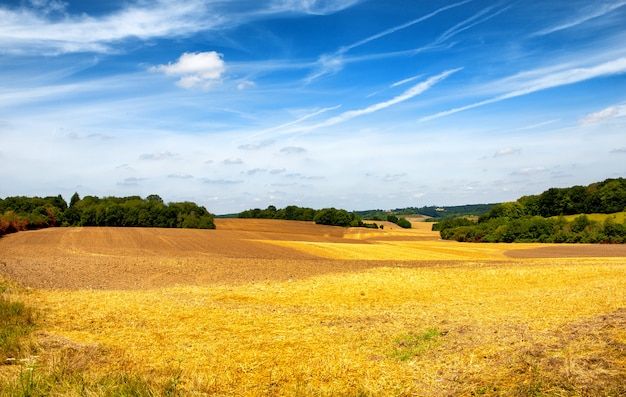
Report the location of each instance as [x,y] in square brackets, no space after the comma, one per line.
[282,308]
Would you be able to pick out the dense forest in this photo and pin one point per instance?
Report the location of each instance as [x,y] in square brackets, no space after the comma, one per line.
[27,213]
[326,216]
[541,218]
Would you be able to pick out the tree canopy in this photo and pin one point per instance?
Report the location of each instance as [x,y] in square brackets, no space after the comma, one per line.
[541,218]
[325,216]
[22,213]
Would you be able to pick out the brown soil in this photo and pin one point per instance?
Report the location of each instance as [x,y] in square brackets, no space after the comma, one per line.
[140,258]
[237,252]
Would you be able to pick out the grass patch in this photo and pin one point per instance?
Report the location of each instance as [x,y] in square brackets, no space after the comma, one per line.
[17,321]
[412,344]
[44,382]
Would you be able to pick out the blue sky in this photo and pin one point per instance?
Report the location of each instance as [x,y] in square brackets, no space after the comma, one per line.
[348,103]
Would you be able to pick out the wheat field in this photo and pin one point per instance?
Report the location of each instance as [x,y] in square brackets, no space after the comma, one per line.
[280,308]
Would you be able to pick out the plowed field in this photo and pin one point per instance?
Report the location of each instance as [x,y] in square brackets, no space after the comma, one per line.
[240,250]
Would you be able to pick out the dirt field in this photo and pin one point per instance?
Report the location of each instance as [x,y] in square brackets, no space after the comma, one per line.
[240,250]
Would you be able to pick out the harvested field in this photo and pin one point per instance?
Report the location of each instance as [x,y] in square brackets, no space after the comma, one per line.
[280,308]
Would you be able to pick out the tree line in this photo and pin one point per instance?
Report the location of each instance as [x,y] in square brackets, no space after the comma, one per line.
[541,218]
[28,213]
[325,216]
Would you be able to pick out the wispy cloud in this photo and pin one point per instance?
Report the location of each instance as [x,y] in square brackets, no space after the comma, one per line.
[39,29]
[30,31]
[478,18]
[621,150]
[394,29]
[506,152]
[314,7]
[552,80]
[406,95]
[537,125]
[332,63]
[156,156]
[404,81]
[594,10]
[284,126]
[529,171]
[221,181]
[608,113]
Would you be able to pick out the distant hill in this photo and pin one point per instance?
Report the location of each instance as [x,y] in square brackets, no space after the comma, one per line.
[437,213]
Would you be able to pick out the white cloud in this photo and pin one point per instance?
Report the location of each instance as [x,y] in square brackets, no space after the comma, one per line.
[180,176]
[156,156]
[292,150]
[221,181]
[243,84]
[408,80]
[608,113]
[530,171]
[233,161]
[506,152]
[256,146]
[131,182]
[254,171]
[198,70]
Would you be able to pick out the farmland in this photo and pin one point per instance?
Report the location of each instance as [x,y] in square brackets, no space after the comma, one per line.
[271,308]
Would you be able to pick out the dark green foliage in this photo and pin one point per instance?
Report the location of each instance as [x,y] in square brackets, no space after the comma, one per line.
[534,229]
[326,216]
[540,218]
[605,197]
[291,212]
[335,217]
[402,222]
[21,213]
[452,223]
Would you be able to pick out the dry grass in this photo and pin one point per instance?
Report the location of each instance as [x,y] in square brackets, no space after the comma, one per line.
[496,326]
[618,217]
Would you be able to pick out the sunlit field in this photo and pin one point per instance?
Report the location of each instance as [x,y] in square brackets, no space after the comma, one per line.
[279,308]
